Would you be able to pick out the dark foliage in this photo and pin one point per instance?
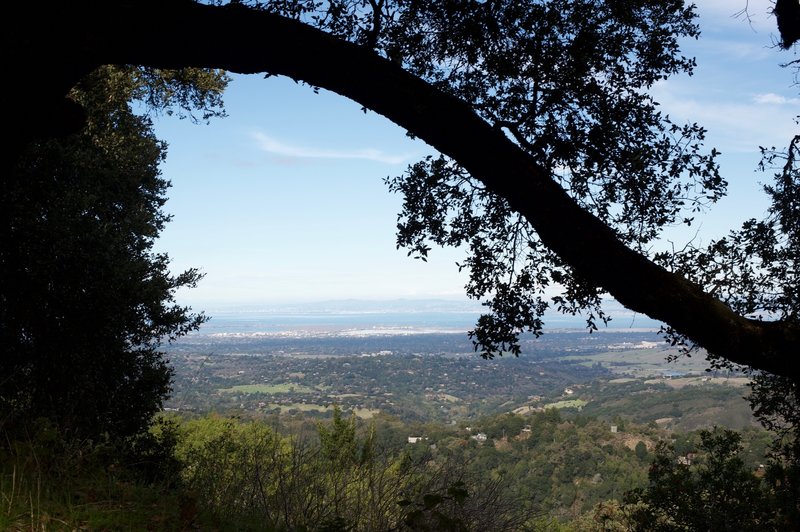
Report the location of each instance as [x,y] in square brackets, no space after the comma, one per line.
[787,13]
[86,303]
[705,490]
[566,81]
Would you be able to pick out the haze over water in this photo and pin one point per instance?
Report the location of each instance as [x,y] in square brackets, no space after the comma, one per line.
[385,318]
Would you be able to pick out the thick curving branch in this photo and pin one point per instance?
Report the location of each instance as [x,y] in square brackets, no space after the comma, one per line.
[182,34]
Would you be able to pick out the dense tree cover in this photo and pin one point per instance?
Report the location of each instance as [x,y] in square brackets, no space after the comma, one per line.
[338,479]
[560,471]
[85,302]
[419,388]
[537,471]
[342,477]
[710,489]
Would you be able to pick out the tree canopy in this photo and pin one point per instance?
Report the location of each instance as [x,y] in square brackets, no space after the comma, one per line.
[546,100]
[85,302]
[707,489]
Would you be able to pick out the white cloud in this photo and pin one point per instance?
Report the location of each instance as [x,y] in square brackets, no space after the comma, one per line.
[277,147]
[775,99]
[736,122]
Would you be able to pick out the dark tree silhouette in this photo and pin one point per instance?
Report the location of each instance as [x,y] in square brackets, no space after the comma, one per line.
[787,13]
[51,47]
[85,302]
[714,491]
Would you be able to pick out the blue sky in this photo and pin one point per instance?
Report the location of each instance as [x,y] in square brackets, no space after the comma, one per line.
[283,201]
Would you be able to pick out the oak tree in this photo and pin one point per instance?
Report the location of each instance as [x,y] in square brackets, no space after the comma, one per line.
[85,301]
[560,170]
[710,489]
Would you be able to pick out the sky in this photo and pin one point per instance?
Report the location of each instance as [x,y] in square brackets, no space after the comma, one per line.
[283,201]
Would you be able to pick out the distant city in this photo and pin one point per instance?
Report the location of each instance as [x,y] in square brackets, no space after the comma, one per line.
[386,317]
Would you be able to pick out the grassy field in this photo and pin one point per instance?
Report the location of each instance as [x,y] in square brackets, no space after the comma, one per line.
[527,409]
[302,407]
[271,389]
[366,413]
[680,382]
[571,403]
[363,413]
[644,363]
[443,397]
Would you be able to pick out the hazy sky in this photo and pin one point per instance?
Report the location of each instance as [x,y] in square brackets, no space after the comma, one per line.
[284,200]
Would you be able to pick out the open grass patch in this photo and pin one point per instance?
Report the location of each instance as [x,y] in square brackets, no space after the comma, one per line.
[302,407]
[641,363]
[271,389]
[572,403]
[366,413]
[363,413]
[447,397]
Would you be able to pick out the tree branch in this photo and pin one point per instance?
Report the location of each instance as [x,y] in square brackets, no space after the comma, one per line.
[52,57]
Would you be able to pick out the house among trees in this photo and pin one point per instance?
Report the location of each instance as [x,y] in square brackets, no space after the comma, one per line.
[479,437]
